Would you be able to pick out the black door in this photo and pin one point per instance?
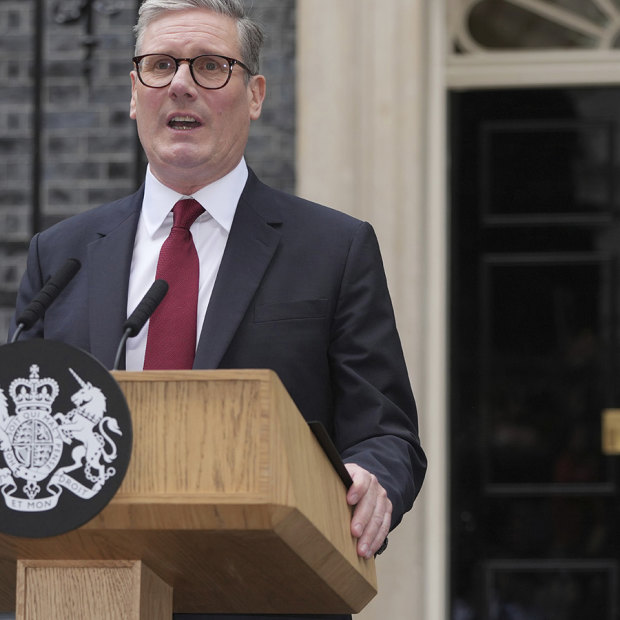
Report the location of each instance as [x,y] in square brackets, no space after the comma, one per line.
[535,334]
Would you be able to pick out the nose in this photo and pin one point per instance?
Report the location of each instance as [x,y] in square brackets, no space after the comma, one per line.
[183,84]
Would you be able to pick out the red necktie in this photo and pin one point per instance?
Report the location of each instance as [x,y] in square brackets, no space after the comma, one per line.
[171,340]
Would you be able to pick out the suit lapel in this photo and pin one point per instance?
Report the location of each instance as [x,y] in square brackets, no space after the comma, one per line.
[249,250]
[108,276]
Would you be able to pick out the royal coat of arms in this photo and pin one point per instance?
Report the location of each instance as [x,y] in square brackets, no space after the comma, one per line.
[46,452]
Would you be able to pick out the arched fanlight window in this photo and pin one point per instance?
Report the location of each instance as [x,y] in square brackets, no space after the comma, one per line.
[493,25]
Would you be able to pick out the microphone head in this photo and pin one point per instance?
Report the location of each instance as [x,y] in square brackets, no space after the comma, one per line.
[146,307]
[67,271]
[52,288]
[159,288]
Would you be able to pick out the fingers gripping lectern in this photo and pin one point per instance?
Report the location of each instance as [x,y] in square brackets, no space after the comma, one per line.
[229,505]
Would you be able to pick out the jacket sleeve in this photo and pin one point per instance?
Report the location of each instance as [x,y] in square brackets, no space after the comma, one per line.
[375,417]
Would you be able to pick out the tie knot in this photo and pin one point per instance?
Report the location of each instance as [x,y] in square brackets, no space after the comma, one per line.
[185,212]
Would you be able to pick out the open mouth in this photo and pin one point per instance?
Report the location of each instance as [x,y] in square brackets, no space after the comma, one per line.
[183,123]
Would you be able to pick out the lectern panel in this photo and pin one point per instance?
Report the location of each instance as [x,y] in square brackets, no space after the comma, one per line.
[228,498]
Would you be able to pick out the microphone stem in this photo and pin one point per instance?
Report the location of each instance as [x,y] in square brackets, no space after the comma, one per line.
[17,332]
[121,348]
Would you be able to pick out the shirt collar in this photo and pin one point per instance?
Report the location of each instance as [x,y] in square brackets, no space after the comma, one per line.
[219,199]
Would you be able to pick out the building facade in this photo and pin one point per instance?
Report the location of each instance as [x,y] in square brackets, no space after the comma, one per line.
[441,122]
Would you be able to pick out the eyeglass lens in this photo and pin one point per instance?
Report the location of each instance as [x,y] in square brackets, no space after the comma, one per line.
[209,71]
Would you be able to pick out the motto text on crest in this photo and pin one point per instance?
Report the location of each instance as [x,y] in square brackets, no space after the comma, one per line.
[32,443]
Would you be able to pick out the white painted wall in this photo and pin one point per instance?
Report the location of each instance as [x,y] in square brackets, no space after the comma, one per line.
[370,123]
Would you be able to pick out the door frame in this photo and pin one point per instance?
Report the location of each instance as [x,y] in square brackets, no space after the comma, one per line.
[484,70]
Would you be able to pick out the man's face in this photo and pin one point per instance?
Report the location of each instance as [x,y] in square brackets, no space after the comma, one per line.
[187,156]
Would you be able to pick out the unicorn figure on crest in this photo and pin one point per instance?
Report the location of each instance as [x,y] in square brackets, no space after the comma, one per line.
[86,424]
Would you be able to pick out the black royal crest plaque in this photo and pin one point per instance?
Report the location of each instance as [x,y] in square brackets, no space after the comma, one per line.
[65,438]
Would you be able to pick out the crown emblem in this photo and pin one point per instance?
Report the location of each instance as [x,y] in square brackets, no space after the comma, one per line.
[33,393]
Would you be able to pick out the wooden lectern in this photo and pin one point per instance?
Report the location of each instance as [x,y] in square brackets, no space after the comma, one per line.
[229,505]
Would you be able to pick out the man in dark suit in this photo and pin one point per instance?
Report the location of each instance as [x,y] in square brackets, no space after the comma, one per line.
[284,284]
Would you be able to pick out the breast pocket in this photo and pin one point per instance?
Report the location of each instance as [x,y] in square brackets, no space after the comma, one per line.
[291,310]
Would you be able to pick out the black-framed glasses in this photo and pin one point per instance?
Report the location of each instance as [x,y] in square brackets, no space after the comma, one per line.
[210,71]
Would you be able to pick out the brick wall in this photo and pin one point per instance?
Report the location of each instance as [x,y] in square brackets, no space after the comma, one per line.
[88,147]
[16,43]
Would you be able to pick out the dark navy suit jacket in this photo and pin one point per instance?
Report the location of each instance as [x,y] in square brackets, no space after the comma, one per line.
[301,290]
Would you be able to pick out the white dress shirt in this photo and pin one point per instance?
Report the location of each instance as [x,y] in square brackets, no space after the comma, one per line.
[210,233]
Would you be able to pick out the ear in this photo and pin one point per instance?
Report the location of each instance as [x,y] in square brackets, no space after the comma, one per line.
[132,104]
[256,94]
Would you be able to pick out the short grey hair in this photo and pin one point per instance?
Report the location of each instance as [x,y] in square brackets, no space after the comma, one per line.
[250,33]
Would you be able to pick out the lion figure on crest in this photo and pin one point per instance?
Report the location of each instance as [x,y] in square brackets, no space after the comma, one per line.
[86,424]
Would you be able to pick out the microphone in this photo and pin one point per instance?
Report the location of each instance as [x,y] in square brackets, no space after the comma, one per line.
[42,301]
[134,324]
